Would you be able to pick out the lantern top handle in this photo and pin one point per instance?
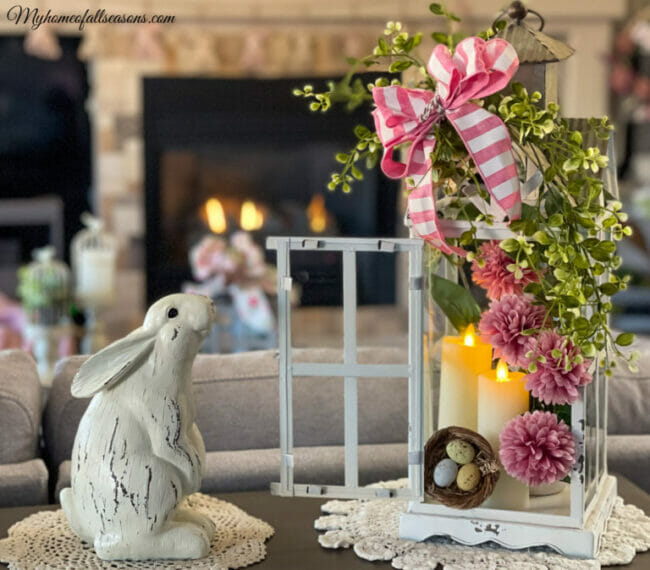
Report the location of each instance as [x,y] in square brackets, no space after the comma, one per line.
[517,11]
[532,45]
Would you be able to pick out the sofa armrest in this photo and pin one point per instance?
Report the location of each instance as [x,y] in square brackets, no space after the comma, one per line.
[20,407]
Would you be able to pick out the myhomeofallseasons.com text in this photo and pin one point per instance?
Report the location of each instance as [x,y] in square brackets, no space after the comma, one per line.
[35,18]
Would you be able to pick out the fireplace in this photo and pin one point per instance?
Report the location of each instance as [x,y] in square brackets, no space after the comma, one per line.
[229,154]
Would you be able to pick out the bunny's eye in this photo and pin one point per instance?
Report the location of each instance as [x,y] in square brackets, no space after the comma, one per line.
[172,313]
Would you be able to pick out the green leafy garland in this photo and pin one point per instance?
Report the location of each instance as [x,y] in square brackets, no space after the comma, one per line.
[568,238]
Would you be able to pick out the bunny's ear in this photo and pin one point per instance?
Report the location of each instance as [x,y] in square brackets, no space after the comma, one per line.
[113,363]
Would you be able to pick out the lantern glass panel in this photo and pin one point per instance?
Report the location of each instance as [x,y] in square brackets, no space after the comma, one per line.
[591,444]
[602,425]
[437,327]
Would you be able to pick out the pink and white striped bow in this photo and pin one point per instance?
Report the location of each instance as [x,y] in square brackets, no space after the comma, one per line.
[477,69]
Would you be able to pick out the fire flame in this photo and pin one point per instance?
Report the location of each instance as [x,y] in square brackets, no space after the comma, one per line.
[216,216]
[251,217]
[317,214]
[502,372]
[470,336]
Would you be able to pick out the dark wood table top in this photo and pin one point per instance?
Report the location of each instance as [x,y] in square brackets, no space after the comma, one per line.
[295,543]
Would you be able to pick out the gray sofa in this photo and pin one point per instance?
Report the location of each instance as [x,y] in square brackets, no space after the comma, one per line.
[237,397]
[237,413]
[23,476]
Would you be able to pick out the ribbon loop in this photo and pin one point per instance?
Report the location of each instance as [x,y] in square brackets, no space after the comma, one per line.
[476,69]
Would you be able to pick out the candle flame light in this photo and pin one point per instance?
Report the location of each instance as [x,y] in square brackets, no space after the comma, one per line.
[469,339]
[216,216]
[317,214]
[251,217]
[502,372]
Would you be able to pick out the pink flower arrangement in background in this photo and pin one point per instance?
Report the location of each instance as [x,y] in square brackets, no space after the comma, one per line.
[494,276]
[210,257]
[12,322]
[557,378]
[503,324]
[536,448]
[216,264]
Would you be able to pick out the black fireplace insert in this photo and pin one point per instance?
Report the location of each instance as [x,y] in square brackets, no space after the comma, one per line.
[254,152]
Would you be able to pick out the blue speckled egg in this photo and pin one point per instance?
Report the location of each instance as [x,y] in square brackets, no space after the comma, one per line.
[444,473]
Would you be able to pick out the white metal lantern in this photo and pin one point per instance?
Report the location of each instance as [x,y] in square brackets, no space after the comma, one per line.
[571,521]
[94,253]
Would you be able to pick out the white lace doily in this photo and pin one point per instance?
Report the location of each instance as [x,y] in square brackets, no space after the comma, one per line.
[44,540]
[372,528]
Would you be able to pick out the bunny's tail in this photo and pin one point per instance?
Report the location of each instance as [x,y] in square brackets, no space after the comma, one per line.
[68,504]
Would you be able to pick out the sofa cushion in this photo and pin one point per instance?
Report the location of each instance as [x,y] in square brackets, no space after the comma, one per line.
[256,469]
[629,455]
[20,407]
[237,397]
[23,484]
[62,413]
[629,395]
[237,402]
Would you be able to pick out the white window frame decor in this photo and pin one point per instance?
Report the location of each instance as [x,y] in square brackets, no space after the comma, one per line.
[350,370]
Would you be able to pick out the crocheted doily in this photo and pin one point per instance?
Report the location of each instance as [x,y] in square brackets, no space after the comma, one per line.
[372,527]
[44,540]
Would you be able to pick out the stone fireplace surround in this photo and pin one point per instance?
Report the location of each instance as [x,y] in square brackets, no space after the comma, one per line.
[263,38]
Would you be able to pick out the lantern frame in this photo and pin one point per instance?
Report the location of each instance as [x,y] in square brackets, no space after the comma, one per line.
[592,490]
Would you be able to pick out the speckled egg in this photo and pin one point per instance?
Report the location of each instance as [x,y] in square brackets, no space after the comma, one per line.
[444,473]
[468,477]
[460,451]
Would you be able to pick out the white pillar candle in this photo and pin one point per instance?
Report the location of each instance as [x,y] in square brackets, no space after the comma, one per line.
[501,397]
[95,275]
[463,358]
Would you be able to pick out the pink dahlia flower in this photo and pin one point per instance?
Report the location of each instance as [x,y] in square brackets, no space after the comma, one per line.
[494,276]
[537,448]
[503,324]
[556,381]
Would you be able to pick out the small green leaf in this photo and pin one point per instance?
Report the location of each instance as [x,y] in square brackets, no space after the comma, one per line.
[509,245]
[399,66]
[440,37]
[541,237]
[455,301]
[625,339]
[609,288]
[436,9]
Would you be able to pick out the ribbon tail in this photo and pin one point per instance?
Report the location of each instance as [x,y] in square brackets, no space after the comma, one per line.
[488,142]
[422,208]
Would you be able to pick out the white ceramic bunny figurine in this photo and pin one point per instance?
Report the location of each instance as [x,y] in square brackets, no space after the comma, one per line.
[138,452]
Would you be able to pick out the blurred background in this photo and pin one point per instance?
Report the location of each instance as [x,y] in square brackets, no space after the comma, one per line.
[173,132]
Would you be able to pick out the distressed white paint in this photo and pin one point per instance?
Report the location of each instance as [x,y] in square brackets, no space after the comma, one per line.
[138,452]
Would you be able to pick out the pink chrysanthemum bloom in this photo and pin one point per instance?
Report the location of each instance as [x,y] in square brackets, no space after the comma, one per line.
[503,324]
[537,448]
[494,276]
[555,381]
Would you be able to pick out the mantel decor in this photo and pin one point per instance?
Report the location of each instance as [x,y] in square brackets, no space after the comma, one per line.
[514,218]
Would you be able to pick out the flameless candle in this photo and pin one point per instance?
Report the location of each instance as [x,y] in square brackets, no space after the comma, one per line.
[463,358]
[501,397]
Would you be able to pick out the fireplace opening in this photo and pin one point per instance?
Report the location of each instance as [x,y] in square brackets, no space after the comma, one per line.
[222,155]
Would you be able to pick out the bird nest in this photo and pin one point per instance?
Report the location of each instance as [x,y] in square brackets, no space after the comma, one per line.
[485,459]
